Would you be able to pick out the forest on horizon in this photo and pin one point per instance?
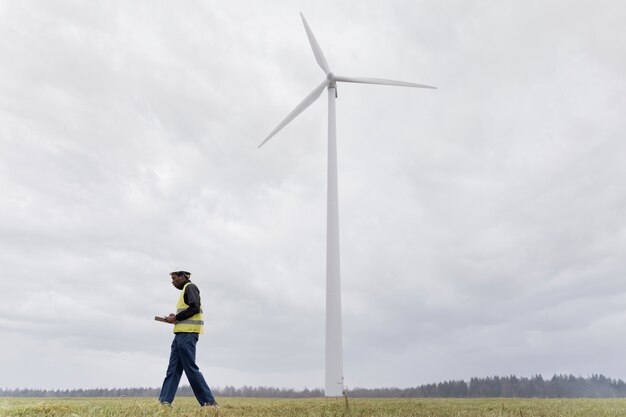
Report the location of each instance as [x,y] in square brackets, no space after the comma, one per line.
[559,386]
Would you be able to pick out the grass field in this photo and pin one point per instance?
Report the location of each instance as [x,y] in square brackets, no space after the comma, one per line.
[320,407]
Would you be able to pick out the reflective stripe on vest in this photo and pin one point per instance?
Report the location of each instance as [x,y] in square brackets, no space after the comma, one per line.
[194,324]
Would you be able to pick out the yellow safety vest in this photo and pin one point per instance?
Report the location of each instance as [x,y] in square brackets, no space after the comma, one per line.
[194,324]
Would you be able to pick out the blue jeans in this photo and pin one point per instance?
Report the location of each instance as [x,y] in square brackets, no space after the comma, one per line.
[183,358]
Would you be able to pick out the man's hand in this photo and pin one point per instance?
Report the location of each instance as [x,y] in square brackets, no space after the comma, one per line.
[171,318]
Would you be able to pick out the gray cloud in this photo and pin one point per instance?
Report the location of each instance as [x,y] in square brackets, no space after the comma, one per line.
[481,224]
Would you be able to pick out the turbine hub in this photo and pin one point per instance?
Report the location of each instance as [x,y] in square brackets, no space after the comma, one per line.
[332,83]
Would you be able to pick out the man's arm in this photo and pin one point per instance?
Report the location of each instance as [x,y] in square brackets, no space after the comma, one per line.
[192,299]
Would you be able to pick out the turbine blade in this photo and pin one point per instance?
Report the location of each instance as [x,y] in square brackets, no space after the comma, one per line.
[317,51]
[380,81]
[308,100]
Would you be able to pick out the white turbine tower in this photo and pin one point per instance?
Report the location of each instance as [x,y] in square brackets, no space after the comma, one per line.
[334,355]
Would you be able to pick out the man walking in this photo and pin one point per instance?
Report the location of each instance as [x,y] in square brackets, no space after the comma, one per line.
[188,324]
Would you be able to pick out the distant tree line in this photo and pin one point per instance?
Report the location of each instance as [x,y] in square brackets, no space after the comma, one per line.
[185,391]
[559,386]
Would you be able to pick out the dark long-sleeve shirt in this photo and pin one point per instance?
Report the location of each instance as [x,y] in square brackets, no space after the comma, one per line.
[192,299]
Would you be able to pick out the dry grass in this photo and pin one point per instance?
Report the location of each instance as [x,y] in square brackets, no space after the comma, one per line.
[319,407]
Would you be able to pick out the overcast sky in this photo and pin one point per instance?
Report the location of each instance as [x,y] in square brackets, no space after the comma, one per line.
[482,224]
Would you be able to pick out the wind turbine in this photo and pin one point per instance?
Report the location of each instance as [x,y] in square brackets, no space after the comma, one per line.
[334,348]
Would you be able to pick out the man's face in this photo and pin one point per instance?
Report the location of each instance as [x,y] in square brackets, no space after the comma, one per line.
[177,281]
